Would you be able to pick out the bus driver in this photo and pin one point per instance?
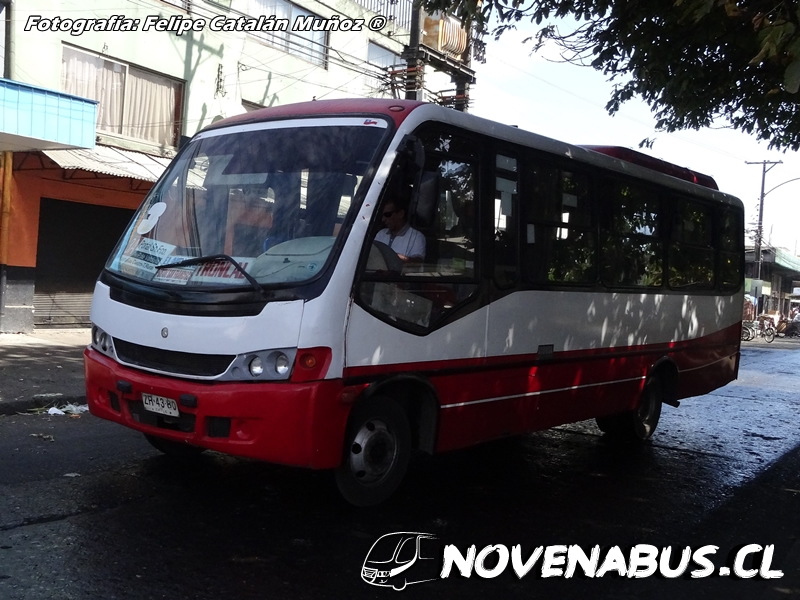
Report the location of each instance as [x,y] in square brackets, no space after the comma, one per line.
[407,242]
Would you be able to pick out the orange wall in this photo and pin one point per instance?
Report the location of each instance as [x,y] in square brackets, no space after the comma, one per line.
[28,187]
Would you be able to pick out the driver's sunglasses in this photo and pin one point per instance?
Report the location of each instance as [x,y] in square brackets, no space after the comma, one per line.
[389,213]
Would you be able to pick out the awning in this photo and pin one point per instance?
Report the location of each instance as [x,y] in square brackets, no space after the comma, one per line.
[111,161]
[35,118]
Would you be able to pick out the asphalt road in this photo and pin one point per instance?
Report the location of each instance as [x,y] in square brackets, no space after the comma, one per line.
[88,510]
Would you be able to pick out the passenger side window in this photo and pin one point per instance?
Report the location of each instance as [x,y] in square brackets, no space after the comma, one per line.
[731,240]
[560,239]
[422,257]
[691,251]
[505,221]
[632,243]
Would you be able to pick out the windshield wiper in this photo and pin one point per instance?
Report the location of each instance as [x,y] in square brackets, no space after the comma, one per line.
[215,257]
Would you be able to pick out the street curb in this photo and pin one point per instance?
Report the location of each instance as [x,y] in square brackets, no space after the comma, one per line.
[42,369]
[25,405]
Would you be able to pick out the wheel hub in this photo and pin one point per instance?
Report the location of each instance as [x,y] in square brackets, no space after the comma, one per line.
[373,452]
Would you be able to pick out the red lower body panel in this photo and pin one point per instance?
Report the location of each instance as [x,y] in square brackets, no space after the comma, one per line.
[490,397]
[478,399]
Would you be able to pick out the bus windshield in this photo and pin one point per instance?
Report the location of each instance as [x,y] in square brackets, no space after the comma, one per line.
[250,204]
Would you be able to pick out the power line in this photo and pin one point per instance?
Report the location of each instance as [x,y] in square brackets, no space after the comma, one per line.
[596,105]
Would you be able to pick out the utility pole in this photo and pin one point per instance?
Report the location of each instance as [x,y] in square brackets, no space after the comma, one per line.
[418,54]
[414,60]
[766,167]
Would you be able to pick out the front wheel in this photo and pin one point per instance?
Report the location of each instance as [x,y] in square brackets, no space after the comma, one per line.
[376,453]
[769,334]
[640,423]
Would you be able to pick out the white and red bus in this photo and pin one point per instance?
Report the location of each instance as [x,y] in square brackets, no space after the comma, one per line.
[249,309]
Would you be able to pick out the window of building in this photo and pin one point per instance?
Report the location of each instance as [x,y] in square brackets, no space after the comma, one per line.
[382,61]
[184,4]
[299,41]
[381,57]
[134,102]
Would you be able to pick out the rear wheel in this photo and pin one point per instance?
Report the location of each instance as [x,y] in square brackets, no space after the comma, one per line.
[640,423]
[174,449]
[769,334]
[376,453]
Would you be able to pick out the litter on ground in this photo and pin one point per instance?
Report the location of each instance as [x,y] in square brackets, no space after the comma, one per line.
[69,409]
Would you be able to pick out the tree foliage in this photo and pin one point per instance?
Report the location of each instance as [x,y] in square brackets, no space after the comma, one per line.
[693,62]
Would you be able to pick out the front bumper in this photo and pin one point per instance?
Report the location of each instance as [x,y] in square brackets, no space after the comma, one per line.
[301,424]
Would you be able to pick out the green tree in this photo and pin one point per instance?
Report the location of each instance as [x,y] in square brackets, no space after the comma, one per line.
[693,62]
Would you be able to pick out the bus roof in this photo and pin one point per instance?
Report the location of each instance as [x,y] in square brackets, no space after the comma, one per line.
[398,110]
[656,164]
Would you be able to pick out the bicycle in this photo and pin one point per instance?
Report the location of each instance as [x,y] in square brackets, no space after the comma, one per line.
[753,329]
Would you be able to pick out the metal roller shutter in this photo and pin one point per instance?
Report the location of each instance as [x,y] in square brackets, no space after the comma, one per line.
[75,240]
[61,309]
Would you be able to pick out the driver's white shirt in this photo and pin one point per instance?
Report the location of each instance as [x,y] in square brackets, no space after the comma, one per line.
[408,241]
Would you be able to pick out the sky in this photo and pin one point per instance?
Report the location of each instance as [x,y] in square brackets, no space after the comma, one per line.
[567,102]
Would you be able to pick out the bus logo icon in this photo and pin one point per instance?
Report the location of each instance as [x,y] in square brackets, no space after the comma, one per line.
[400,559]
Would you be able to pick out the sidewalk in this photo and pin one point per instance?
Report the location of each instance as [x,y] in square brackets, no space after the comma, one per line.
[41,369]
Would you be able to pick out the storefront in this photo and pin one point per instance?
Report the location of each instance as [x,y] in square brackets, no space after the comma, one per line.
[68,210]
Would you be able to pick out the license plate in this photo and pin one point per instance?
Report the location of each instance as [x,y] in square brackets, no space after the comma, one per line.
[161,405]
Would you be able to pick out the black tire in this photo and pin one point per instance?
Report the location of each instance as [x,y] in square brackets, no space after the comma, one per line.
[376,452]
[639,424]
[174,449]
[769,334]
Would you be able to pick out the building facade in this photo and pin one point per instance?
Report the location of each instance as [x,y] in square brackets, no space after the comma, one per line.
[774,284]
[148,74]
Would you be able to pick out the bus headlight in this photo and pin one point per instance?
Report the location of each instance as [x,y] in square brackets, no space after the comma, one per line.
[274,364]
[282,364]
[257,367]
[102,342]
